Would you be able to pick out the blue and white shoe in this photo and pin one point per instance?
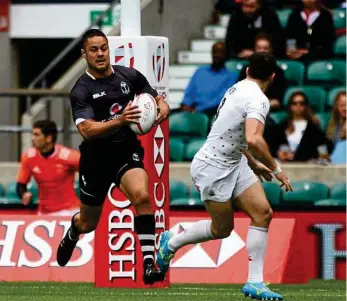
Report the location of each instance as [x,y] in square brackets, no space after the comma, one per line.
[164,255]
[260,291]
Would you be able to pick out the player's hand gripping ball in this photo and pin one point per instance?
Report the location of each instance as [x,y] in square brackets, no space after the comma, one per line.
[148,107]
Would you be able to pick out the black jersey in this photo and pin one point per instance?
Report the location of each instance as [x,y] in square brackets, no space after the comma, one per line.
[103,99]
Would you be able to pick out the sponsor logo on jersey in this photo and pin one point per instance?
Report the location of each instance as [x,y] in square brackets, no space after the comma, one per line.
[36,169]
[125,88]
[136,157]
[158,62]
[124,55]
[115,108]
[100,94]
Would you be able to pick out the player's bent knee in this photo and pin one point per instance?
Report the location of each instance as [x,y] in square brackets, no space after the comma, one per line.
[263,218]
[140,198]
[86,227]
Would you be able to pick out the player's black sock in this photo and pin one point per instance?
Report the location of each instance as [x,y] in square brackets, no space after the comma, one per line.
[73,231]
[145,228]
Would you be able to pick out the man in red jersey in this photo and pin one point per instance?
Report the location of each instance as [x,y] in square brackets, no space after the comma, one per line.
[53,167]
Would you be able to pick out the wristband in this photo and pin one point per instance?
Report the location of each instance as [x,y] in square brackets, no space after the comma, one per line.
[277,170]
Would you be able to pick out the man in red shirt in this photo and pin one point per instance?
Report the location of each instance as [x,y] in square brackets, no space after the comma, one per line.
[53,167]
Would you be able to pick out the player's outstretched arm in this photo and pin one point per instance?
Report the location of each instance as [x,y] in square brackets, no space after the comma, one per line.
[90,129]
[256,143]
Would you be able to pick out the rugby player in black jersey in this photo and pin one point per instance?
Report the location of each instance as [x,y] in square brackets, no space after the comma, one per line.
[110,152]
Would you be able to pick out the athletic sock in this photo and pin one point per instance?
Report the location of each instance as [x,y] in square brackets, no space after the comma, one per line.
[196,233]
[145,228]
[73,231]
[256,246]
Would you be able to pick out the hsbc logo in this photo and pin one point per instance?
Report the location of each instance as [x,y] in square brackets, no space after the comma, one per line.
[159,151]
[200,256]
[124,55]
[158,62]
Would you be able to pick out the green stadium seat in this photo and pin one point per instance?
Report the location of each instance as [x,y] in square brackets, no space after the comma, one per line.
[2,190]
[294,71]
[327,73]
[278,117]
[186,202]
[283,16]
[188,125]
[192,148]
[236,65]
[11,197]
[331,203]
[339,17]
[338,191]
[273,192]
[306,192]
[323,120]
[178,190]
[316,96]
[332,95]
[176,149]
[340,46]
[194,193]
[76,186]
[32,187]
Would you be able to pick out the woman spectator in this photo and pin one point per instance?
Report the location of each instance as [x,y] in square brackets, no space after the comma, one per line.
[336,130]
[310,32]
[299,137]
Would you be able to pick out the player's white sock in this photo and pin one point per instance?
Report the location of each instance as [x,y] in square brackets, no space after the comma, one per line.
[197,232]
[256,246]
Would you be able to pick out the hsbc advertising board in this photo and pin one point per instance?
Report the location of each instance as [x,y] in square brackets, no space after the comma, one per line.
[302,246]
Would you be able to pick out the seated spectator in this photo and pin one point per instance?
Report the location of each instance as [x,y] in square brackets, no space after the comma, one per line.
[310,32]
[276,91]
[208,84]
[246,22]
[299,137]
[336,130]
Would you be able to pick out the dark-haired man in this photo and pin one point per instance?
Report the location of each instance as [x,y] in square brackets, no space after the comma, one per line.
[102,109]
[224,171]
[53,167]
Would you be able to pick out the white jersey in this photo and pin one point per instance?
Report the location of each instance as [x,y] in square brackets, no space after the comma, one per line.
[226,141]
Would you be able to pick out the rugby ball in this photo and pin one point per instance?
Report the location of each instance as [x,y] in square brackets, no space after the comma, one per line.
[148,107]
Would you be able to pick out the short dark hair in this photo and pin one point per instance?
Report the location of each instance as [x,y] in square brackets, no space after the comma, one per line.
[263,36]
[261,65]
[48,128]
[90,34]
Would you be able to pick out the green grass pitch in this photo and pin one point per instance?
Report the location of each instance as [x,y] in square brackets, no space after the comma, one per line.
[38,291]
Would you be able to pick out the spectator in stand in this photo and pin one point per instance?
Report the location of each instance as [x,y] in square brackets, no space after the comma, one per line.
[299,137]
[53,167]
[278,87]
[250,18]
[336,130]
[208,84]
[310,32]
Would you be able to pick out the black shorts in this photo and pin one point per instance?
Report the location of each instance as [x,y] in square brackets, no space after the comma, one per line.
[100,167]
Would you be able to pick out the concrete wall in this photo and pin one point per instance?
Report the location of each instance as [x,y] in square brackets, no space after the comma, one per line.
[8,105]
[181,21]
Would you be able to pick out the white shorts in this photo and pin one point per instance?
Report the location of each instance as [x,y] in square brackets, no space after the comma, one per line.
[221,185]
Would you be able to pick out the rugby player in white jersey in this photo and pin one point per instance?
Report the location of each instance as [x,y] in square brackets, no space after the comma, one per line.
[224,171]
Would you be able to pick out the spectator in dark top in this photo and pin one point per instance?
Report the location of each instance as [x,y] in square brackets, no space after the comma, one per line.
[246,22]
[208,84]
[310,32]
[336,129]
[276,91]
[299,137]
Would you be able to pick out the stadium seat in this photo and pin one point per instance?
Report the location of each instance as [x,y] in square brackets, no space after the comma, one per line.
[194,193]
[11,197]
[178,190]
[32,187]
[273,192]
[236,65]
[316,96]
[2,190]
[77,188]
[306,192]
[278,117]
[176,149]
[338,191]
[182,71]
[294,71]
[332,95]
[186,202]
[327,73]
[188,125]
[340,46]
[339,17]
[331,202]
[192,148]
[283,16]
[323,119]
